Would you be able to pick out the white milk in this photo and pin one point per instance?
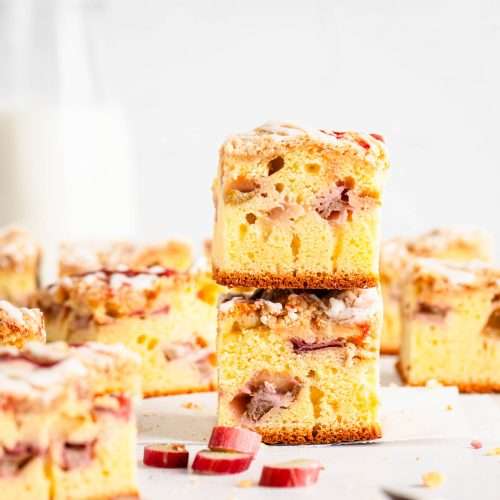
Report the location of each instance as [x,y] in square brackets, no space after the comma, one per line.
[66,174]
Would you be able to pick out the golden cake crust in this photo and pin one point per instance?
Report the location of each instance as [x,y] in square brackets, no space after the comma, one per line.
[316,280]
[469,387]
[320,434]
[122,495]
[188,390]
[279,137]
[389,350]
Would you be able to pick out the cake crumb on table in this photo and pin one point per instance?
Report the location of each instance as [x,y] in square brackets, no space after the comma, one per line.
[189,405]
[432,479]
[433,384]
[245,483]
[449,407]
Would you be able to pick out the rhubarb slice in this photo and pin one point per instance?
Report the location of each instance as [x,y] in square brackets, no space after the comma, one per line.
[220,462]
[234,439]
[290,474]
[167,456]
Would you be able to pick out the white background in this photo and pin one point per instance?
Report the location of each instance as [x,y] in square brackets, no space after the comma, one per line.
[426,74]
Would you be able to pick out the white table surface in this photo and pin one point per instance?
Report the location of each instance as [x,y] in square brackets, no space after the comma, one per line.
[424,430]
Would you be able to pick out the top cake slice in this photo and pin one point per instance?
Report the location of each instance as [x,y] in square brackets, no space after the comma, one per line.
[298,208]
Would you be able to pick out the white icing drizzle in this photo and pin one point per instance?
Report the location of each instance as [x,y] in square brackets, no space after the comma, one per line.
[456,273]
[355,306]
[138,282]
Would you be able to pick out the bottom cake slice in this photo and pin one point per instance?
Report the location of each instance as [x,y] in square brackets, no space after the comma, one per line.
[451,325]
[301,366]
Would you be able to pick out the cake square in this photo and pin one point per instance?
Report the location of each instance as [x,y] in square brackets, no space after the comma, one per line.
[301,366]
[80,258]
[20,258]
[456,244]
[167,317]
[19,325]
[298,208]
[59,439]
[451,326]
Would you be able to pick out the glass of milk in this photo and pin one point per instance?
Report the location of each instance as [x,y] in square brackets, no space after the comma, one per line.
[65,164]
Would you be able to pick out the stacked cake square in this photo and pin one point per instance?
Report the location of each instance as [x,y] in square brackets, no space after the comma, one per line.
[297,217]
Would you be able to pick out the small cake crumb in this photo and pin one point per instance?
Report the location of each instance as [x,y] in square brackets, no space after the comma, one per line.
[449,407]
[432,479]
[476,444]
[493,452]
[245,483]
[189,405]
[433,383]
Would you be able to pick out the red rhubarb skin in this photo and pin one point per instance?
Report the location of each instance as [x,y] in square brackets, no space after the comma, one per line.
[234,439]
[204,464]
[278,477]
[166,459]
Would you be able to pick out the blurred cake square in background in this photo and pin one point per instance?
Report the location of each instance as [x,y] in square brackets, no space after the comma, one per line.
[451,325]
[167,317]
[19,325]
[455,244]
[80,257]
[299,208]
[20,257]
[67,430]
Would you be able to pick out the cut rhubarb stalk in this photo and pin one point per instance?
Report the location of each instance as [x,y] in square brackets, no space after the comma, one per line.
[290,474]
[221,462]
[234,439]
[167,456]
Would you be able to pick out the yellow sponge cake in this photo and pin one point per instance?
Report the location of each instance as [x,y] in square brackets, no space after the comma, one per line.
[456,244]
[79,258]
[301,366]
[59,439]
[168,318]
[451,325]
[298,208]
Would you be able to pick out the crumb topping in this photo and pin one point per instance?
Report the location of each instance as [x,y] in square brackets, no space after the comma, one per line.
[342,306]
[78,258]
[104,295]
[273,137]
[20,320]
[443,274]
[396,253]
[18,250]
